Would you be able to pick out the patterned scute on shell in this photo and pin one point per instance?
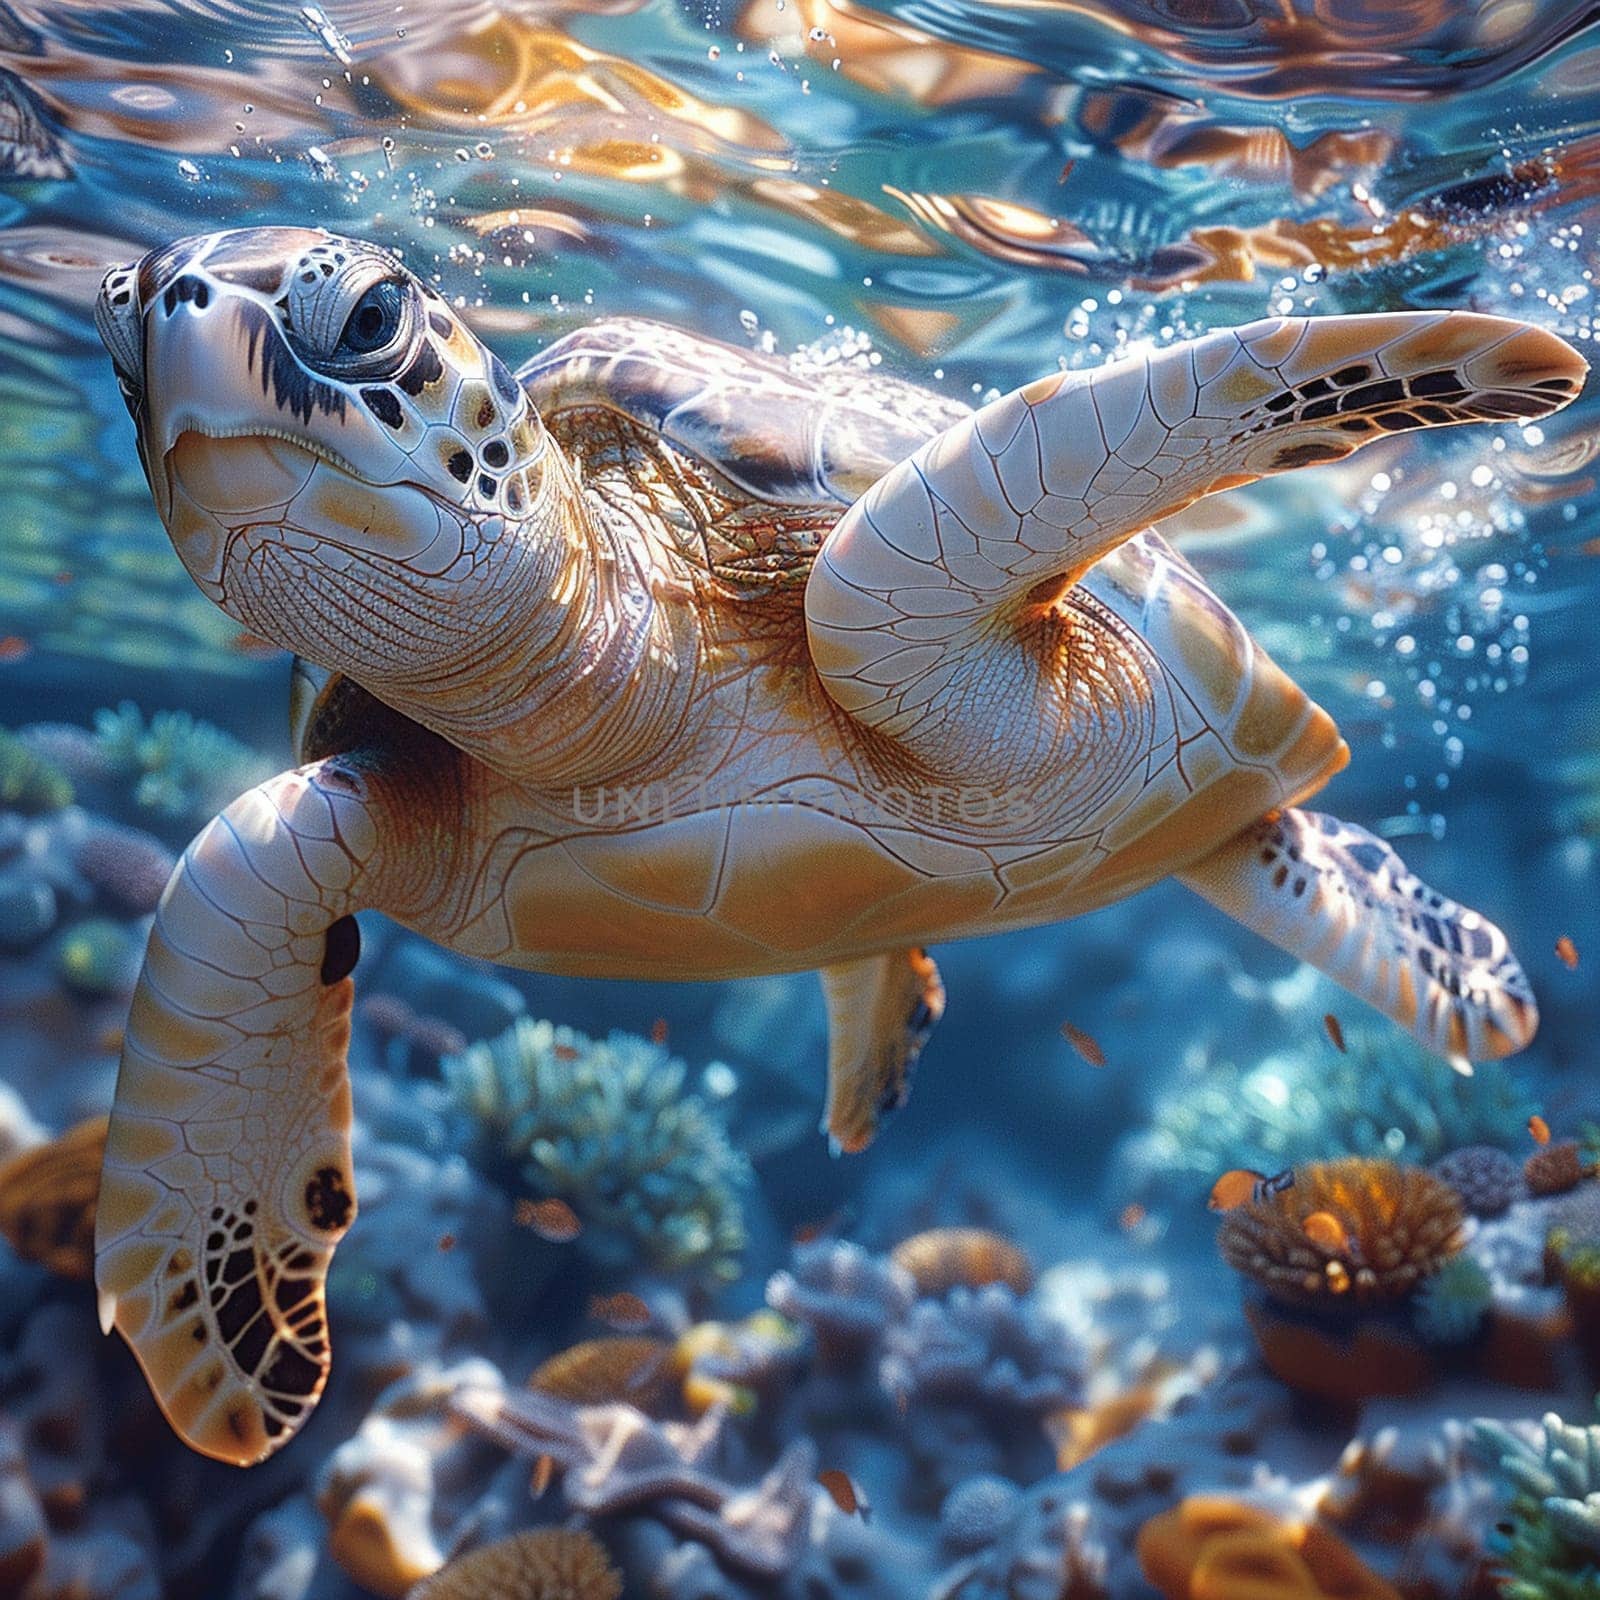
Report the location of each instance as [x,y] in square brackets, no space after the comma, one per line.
[636,1372]
[943,1259]
[47,1200]
[1399,1224]
[547,1564]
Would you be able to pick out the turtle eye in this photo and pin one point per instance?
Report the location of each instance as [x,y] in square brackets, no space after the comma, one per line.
[374,320]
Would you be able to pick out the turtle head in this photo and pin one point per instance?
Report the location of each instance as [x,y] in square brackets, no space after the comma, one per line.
[321,433]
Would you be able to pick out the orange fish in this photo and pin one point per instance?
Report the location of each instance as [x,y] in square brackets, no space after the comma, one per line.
[843,1492]
[1326,1231]
[658,1031]
[1242,1186]
[1567,951]
[1083,1044]
[447,1242]
[553,1220]
[544,1470]
[1131,1217]
[564,1052]
[1335,1032]
[1066,171]
[623,1311]
[15,648]
[1539,1128]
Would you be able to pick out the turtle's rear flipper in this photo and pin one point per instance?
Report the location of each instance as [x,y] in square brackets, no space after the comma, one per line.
[881,1010]
[1338,897]
[227,1179]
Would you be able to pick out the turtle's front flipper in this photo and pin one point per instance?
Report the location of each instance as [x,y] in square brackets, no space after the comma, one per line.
[1336,896]
[985,524]
[227,1178]
[881,1010]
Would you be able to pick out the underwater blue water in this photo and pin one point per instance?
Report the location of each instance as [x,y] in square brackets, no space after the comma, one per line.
[971,195]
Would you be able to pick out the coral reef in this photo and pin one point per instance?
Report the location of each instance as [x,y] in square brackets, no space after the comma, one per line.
[1552,1548]
[1488,1180]
[547,1564]
[982,1349]
[98,957]
[1385,1097]
[30,782]
[180,768]
[1453,1301]
[1390,1227]
[942,1259]
[1213,1548]
[843,1295]
[611,1128]
[47,1200]
[1556,1169]
[637,1371]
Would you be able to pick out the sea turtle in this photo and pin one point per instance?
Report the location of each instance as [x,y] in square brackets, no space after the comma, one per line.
[666,659]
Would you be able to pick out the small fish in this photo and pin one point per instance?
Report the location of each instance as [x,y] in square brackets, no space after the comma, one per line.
[625,1312]
[1539,1128]
[447,1242]
[564,1052]
[553,1220]
[843,1492]
[544,1469]
[1086,1047]
[1567,951]
[1243,1187]
[810,1232]
[1335,1032]
[1326,1231]
[1066,171]
[1131,1217]
[659,1031]
[14,648]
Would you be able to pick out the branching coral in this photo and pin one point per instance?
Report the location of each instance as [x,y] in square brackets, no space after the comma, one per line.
[30,782]
[47,1200]
[1383,1228]
[615,1461]
[181,768]
[1552,1548]
[609,1127]
[1385,1097]
[845,1296]
[943,1259]
[546,1564]
[984,1348]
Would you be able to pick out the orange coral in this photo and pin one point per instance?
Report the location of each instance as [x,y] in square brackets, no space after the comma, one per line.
[1213,1548]
[639,1372]
[1379,1230]
[549,1564]
[47,1200]
[1345,1365]
[1555,1169]
[962,1258]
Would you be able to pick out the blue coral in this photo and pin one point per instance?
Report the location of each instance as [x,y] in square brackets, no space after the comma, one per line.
[1550,1549]
[181,768]
[610,1127]
[30,782]
[1385,1097]
[1451,1303]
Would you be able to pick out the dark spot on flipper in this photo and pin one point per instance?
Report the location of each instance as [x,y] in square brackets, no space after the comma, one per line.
[1307,454]
[505,385]
[291,1373]
[252,1345]
[341,950]
[1366,854]
[328,1202]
